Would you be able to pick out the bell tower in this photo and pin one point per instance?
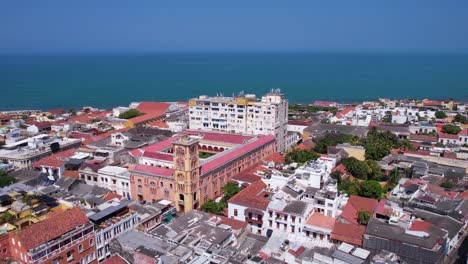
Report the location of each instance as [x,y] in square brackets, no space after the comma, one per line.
[186,173]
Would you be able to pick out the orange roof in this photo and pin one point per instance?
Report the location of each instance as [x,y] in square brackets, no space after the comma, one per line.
[235,224]
[71,174]
[320,220]
[355,204]
[115,259]
[463,195]
[252,196]
[275,157]
[55,160]
[51,228]
[348,233]
[158,123]
[110,196]
[153,107]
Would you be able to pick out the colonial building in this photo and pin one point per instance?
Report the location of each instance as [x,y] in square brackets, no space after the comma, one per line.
[202,162]
[242,114]
[65,237]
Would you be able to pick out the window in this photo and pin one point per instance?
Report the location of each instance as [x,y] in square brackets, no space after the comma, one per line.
[19,243]
[235,212]
[80,248]
[91,242]
[69,256]
[55,261]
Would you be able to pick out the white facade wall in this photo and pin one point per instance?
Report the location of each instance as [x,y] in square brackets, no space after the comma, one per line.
[116,179]
[104,236]
[268,116]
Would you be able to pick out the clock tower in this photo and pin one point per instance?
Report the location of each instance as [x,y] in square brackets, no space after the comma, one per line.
[186,173]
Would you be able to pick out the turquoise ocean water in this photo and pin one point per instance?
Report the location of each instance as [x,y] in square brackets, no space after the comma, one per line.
[51,81]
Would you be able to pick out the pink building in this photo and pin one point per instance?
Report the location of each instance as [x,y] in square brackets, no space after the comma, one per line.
[203,163]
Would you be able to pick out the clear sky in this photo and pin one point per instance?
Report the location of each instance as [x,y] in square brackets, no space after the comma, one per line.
[146,26]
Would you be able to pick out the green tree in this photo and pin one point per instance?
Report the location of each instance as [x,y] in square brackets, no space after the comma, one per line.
[6,179]
[300,156]
[451,129]
[333,139]
[460,119]
[230,189]
[363,217]
[130,114]
[51,117]
[359,169]
[370,189]
[379,144]
[213,207]
[440,115]
[374,172]
[447,185]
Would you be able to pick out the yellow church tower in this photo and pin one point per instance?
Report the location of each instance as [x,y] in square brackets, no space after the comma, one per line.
[186,173]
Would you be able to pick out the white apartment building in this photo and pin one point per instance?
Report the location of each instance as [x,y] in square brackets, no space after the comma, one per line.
[245,114]
[116,179]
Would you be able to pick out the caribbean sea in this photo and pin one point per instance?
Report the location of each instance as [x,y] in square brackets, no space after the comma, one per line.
[105,81]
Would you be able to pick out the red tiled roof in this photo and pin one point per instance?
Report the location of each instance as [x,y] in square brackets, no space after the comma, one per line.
[345,111]
[248,176]
[224,158]
[161,145]
[464,132]
[383,209]
[41,124]
[153,170]
[110,196]
[115,259]
[252,196]
[220,136]
[348,233]
[276,157]
[298,252]
[463,195]
[425,138]
[158,156]
[51,228]
[235,224]
[71,174]
[153,107]
[158,123]
[136,152]
[298,123]
[431,103]
[320,220]
[420,226]
[448,136]
[55,160]
[355,204]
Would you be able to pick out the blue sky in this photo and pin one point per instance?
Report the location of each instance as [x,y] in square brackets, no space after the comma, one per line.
[148,26]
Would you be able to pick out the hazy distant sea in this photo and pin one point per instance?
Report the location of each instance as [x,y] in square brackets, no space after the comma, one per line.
[71,81]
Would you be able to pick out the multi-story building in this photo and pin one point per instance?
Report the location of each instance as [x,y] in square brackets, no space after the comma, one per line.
[242,114]
[65,237]
[112,222]
[22,154]
[116,179]
[202,162]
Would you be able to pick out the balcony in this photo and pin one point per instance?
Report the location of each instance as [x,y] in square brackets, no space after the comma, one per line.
[254,221]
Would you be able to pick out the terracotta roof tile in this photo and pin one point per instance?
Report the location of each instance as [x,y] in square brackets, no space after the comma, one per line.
[276,157]
[348,233]
[55,160]
[71,174]
[215,163]
[152,170]
[356,203]
[115,259]
[320,220]
[252,196]
[51,228]
[447,136]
